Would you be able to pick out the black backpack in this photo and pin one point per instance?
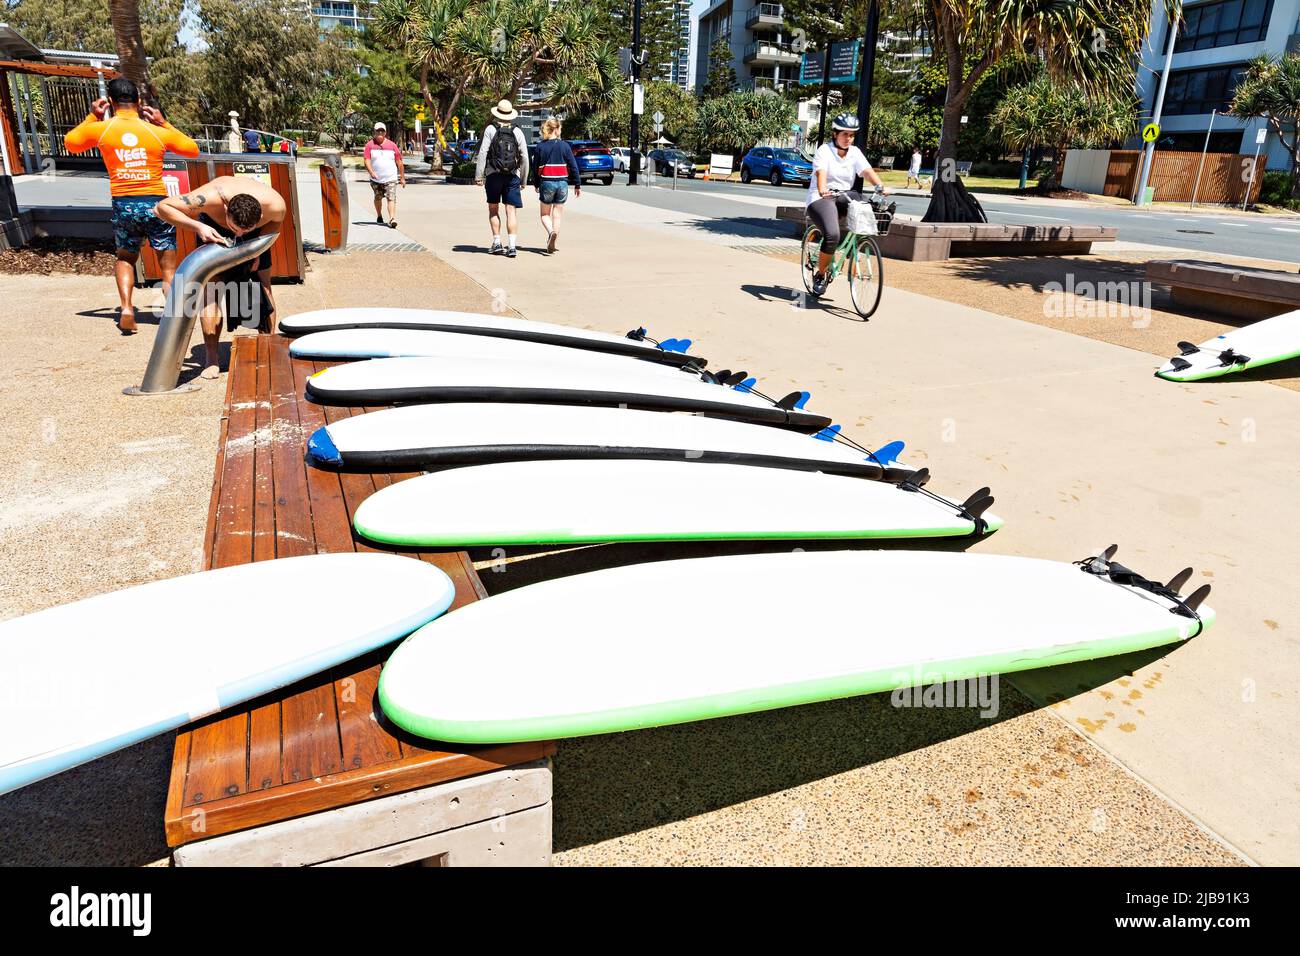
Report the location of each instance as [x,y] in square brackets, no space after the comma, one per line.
[503,154]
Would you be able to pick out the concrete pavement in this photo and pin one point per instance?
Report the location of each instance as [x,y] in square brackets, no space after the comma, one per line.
[1081,444]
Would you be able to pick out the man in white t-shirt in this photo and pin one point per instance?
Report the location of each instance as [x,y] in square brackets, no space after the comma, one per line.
[384,164]
[914,168]
[836,168]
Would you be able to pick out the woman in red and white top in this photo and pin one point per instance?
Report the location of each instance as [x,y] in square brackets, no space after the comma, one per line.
[557,170]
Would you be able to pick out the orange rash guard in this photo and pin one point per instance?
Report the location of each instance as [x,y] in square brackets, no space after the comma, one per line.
[132,150]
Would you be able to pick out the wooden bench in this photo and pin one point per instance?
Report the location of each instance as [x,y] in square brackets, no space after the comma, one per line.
[932,241]
[314,774]
[1228,289]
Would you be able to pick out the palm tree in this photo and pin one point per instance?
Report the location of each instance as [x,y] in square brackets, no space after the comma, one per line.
[134,65]
[1270,88]
[1061,114]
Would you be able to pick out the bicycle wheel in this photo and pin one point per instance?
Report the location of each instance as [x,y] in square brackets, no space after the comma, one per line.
[811,249]
[866,276]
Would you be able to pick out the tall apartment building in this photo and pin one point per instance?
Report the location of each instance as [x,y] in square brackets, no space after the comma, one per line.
[329,14]
[1214,45]
[679,69]
[760,42]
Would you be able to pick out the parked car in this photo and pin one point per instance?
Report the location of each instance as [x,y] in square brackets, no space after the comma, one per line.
[594,160]
[623,158]
[665,160]
[778,166]
[457,151]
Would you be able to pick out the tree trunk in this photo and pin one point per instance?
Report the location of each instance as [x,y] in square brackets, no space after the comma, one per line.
[134,65]
[949,199]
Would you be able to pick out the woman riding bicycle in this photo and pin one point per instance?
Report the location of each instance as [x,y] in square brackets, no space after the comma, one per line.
[836,168]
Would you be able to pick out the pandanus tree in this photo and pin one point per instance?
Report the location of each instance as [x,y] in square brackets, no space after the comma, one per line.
[131,58]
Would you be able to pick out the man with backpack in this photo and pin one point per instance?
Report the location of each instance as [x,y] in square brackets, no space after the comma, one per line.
[503,155]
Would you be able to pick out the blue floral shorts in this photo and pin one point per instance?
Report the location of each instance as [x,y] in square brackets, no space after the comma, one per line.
[134,220]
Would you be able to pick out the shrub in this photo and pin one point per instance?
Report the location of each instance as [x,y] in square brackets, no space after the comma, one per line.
[1276,190]
[464,169]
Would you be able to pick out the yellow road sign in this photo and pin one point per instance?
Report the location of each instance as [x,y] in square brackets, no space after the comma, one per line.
[1150,132]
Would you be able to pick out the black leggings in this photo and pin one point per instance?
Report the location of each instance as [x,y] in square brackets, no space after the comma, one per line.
[825,214]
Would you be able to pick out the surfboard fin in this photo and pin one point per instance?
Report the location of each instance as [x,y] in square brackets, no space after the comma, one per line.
[974,497]
[676,345]
[1176,583]
[747,384]
[792,401]
[916,480]
[888,454]
[637,335]
[1180,364]
[1193,601]
[1187,348]
[721,374]
[974,511]
[1229,357]
[828,433]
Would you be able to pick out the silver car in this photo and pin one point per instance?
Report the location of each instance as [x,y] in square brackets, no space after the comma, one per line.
[623,158]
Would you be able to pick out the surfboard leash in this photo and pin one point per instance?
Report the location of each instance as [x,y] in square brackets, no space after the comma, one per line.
[1103,565]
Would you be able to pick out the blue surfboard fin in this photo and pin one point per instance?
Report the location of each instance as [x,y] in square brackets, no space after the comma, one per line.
[888,454]
[828,433]
[803,400]
[676,345]
[746,385]
[667,345]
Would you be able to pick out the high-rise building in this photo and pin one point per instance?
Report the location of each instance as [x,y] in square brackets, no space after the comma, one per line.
[760,41]
[329,14]
[1213,48]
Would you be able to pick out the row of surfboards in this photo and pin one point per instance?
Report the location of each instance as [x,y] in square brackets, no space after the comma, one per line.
[535,433]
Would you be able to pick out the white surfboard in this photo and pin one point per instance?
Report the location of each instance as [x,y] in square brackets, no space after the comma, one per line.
[678,641]
[638,385]
[85,679]
[356,344]
[430,437]
[477,323]
[1263,343]
[568,502]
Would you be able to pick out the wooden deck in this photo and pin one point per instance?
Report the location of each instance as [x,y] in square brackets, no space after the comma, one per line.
[322,743]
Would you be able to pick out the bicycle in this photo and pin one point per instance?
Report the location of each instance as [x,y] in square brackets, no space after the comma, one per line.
[859,252]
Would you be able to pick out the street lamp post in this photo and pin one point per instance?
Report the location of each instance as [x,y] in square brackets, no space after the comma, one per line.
[1148,155]
[866,74]
[634,136]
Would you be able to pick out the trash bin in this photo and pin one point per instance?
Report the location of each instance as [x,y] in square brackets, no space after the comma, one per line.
[1149,196]
[334,202]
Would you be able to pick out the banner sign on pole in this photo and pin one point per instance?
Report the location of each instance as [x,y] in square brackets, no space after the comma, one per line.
[844,64]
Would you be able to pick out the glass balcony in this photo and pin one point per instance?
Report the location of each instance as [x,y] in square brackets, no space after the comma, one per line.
[763,51]
[769,16]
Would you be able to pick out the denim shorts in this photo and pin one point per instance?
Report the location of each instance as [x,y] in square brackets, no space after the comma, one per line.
[553,192]
[134,220]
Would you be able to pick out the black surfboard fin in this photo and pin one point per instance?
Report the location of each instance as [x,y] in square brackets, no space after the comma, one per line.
[916,480]
[1180,364]
[1193,601]
[975,509]
[637,335]
[1229,357]
[735,378]
[1187,348]
[1110,553]
[790,401]
[974,497]
[721,374]
[1176,583]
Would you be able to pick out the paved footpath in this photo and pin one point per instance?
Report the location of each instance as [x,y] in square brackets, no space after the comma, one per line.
[1080,443]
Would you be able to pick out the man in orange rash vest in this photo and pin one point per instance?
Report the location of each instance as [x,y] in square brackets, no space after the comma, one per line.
[132,143]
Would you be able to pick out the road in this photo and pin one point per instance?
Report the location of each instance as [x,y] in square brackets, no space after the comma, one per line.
[1249,235]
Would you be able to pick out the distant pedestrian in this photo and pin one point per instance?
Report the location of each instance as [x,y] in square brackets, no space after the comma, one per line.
[914,168]
[132,143]
[504,155]
[557,170]
[252,142]
[384,164]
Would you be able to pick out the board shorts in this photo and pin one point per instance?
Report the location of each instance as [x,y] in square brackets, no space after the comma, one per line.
[384,190]
[134,220]
[503,187]
[553,192]
[242,275]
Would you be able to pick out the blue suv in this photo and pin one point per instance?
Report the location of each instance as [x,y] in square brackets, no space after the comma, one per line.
[775,164]
[594,160]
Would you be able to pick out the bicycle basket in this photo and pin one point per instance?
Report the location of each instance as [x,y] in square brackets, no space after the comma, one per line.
[884,216]
[861,218]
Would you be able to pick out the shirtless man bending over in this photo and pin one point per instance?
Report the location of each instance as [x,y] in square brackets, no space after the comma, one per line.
[229,210]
